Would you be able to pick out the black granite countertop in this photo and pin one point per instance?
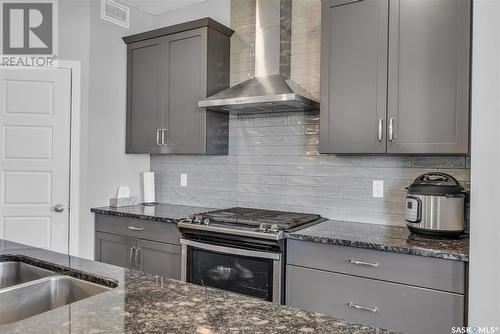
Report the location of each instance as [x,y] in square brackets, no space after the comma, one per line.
[142,304]
[383,238]
[168,213]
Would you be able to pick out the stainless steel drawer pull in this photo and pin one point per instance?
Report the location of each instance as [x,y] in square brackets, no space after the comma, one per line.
[164,137]
[391,129]
[362,263]
[362,308]
[158,135]
[131,259]
[380,129]
[138,265]
[135,228]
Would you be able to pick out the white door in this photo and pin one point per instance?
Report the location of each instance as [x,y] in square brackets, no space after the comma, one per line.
[35,109]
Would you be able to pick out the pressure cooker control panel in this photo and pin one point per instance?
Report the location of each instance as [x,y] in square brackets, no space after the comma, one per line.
[413,210]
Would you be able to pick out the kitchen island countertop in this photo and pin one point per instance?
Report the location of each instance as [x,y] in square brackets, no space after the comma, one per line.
[143,304]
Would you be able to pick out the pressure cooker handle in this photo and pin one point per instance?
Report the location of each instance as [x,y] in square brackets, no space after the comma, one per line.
[443,177]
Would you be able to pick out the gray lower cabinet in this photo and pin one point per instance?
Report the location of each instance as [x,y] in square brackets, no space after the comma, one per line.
[159,259]
[169,71]
[405,293]
[395,76]
[114,249]
[152,247]
[408,309]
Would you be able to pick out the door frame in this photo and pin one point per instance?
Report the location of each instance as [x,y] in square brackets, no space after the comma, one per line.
[74,163]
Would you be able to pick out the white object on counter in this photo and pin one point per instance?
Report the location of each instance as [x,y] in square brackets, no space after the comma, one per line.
[123,198]
[123,192]
[148,179]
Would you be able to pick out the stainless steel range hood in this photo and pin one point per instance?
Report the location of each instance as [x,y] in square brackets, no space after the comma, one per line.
[272,89]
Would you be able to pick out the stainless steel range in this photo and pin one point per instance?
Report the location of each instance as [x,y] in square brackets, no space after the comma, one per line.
[239,249]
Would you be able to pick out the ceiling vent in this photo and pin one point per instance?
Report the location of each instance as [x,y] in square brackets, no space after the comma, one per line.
[115,13]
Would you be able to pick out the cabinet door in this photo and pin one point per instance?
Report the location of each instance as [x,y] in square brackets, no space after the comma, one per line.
[396,307]
[159,259]
[185,85]
[114,249]
[429,76]
[144,109]
[353,76]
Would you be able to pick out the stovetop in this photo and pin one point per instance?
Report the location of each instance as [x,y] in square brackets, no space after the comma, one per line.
[248,221]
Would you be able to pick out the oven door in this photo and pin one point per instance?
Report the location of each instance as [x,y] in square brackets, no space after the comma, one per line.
[249,272]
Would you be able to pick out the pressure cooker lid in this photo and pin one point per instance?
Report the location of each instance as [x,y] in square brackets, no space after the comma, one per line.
[435,183]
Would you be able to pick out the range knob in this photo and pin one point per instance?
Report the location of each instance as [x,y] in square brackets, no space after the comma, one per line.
[197,219]
[206,221]
[274,228]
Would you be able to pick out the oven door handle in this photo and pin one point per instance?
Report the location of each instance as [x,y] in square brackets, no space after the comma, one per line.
[231,250]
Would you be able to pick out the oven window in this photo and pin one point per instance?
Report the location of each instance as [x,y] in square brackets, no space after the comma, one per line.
[246,275]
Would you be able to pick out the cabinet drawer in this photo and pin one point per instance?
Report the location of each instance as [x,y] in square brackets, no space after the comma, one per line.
[440,274]
[382,304]
[138,228]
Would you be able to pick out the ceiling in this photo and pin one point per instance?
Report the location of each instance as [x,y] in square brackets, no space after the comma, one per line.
[160,6]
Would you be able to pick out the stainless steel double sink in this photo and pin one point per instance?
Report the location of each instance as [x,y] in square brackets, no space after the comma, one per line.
[27,290]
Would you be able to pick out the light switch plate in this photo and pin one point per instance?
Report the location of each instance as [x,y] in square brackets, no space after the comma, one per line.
[378,188]
[184,180]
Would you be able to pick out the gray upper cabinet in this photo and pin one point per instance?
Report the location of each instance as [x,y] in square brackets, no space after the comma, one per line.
[169,71]
[353,76]
[144,96]
[428,102]
[395,76]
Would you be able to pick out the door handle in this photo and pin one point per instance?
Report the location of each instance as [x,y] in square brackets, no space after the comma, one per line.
[59,208]
[380,129]
[164,137]
[132,257]
[138,265]
[391,129]
[158,135]
[362,308]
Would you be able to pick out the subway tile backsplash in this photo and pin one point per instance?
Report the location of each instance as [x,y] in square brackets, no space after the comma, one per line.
[274,164]
[274,161]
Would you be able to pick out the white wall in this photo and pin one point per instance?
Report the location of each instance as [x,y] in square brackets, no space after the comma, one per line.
[484,276]
[97,44]
[104,165]
[219,10]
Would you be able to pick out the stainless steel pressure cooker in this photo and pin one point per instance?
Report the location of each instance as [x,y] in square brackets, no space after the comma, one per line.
[435,205]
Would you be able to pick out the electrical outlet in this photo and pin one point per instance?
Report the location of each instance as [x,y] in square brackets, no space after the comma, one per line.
[184,180]
[378,188]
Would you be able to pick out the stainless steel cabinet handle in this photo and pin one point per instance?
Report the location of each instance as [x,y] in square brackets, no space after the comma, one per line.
[164,137]
[59,208]
[132,257]
[363,308]
[391,129]
[362,263]
[138,265]
[135,228]
[380,129]
[158,135]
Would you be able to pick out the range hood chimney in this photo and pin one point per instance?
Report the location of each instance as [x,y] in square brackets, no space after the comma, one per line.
[271,90]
